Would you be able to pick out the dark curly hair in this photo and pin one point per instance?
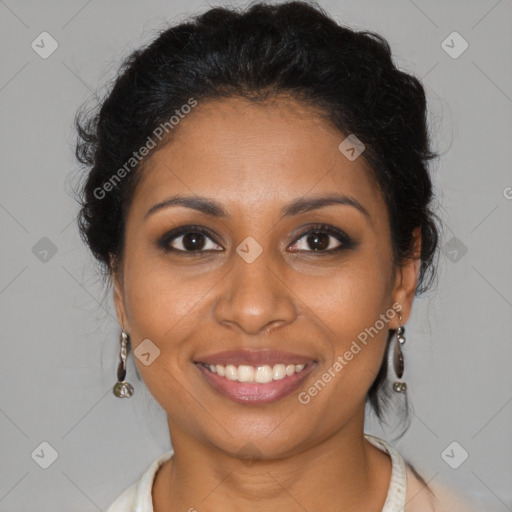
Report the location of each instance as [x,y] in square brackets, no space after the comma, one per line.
[293,48]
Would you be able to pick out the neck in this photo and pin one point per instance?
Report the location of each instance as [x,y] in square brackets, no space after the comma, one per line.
[342,472]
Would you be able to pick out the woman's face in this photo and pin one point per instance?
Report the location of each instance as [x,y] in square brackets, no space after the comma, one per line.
[254,279]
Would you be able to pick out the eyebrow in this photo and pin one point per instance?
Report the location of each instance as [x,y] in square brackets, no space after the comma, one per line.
[214,209]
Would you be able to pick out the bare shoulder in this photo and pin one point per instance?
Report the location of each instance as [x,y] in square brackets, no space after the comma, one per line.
[433,497]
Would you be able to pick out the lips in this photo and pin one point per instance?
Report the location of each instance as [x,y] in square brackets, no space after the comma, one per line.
[252,392]
[253,358]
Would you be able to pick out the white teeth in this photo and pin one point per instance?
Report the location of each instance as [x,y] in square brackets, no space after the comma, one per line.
[262,374]
[245,373]
[279,371]
[290,369]
[231,372]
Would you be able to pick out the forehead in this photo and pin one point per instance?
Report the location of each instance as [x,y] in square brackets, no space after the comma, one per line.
[254,156]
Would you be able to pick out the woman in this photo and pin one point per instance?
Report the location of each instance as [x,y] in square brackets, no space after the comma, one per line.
[258,194]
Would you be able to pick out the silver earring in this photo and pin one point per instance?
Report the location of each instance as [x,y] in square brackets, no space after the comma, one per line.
[123,389]
[398,357]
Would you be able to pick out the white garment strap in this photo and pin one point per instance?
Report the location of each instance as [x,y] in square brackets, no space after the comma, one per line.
[395,500]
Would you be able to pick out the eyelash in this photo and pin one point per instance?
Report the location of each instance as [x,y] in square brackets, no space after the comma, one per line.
[345,241]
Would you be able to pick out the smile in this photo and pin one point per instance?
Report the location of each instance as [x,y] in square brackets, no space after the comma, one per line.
[246,384]
[262,374]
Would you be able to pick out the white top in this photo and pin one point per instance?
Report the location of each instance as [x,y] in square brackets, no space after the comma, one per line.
[405,493]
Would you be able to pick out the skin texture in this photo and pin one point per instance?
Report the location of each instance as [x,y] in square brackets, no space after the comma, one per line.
[254,159]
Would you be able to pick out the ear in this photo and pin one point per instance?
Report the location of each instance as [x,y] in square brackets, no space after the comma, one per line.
[406,280]
[118,292]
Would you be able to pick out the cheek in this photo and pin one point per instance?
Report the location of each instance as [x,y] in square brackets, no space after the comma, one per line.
[357,338]
[351,307]
[161,308]
[158,297]
[165,316]
[349,298]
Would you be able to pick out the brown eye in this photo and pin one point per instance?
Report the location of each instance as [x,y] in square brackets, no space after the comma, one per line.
[324,238]
[193,241]
[188,239]
[318,241]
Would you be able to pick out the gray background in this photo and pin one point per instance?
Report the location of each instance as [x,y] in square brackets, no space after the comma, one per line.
[59,338]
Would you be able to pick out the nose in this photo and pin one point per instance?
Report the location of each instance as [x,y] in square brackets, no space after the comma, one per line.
[254,297]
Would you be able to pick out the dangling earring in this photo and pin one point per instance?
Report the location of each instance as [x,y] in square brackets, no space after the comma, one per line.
[398,358]
[123,389]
